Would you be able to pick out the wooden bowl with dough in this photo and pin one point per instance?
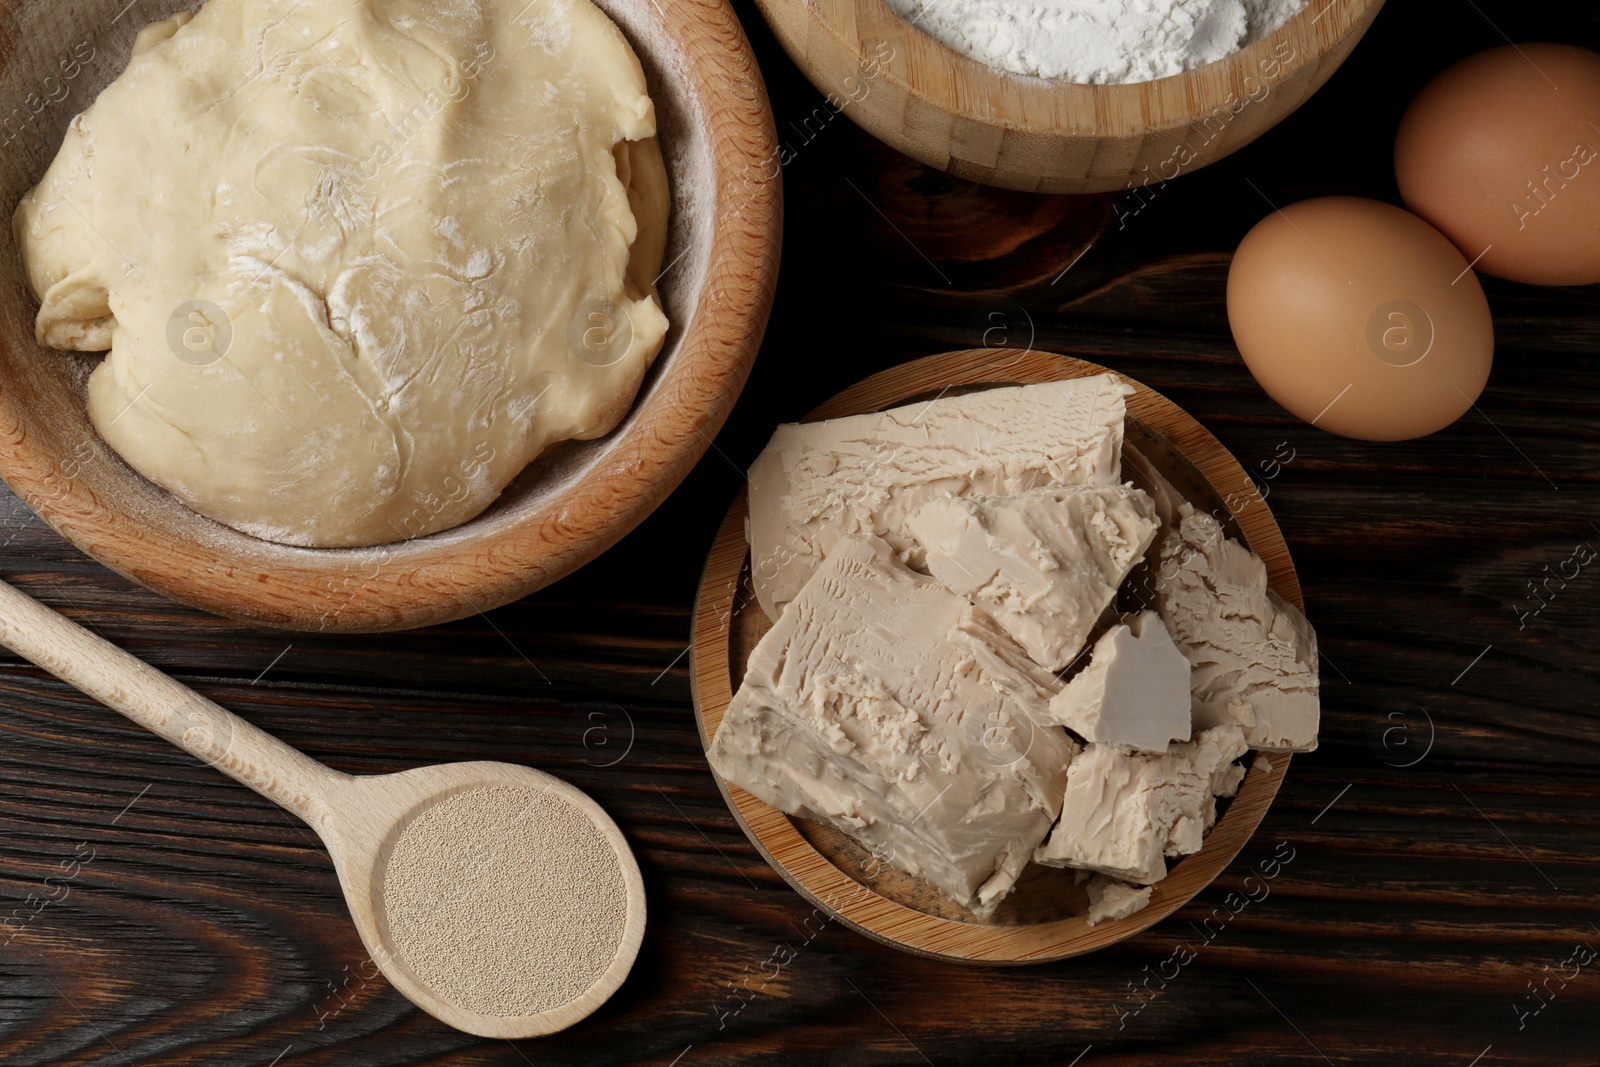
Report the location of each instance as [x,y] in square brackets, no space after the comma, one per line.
[1044,136]
[1045,918]
[717,132]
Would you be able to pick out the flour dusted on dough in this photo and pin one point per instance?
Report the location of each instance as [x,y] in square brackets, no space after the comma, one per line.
[1097,41]
[357,262]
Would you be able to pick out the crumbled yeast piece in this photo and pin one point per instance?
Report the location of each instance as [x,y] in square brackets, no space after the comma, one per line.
[1254,656]
[819,483]
[1111,899]
[1134,692]
[1124,811]
[886,705]
[1045,563]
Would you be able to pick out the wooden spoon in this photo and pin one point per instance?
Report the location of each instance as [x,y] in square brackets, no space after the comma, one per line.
[360,820]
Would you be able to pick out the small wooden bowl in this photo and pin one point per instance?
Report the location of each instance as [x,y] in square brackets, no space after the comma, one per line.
[1044,918]
[722,261]
[965,117]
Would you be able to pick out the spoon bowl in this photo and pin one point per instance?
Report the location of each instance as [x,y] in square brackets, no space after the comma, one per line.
[413,942]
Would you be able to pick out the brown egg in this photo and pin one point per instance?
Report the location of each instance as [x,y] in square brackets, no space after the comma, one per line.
[1360,318]
[1502,153]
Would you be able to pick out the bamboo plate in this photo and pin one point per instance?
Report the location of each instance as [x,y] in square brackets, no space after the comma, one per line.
[985,125]
[564,510]
[1044,919]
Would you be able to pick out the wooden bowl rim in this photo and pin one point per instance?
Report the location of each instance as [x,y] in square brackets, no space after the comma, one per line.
[475,568]
[1161,104]
[859,906]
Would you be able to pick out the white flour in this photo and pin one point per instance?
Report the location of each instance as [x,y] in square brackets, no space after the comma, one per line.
[1097,41]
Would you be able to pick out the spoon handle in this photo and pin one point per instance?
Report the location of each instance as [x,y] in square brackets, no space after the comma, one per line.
[165,707]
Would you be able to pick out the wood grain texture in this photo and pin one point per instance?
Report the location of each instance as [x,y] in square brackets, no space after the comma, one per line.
[1037,135]
[208,928]
[1045,918]
[570,505]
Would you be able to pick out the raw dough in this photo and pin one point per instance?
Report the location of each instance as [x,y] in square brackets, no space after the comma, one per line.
[423,234]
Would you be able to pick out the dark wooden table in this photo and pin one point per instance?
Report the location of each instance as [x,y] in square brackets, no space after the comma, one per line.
[1444,838]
